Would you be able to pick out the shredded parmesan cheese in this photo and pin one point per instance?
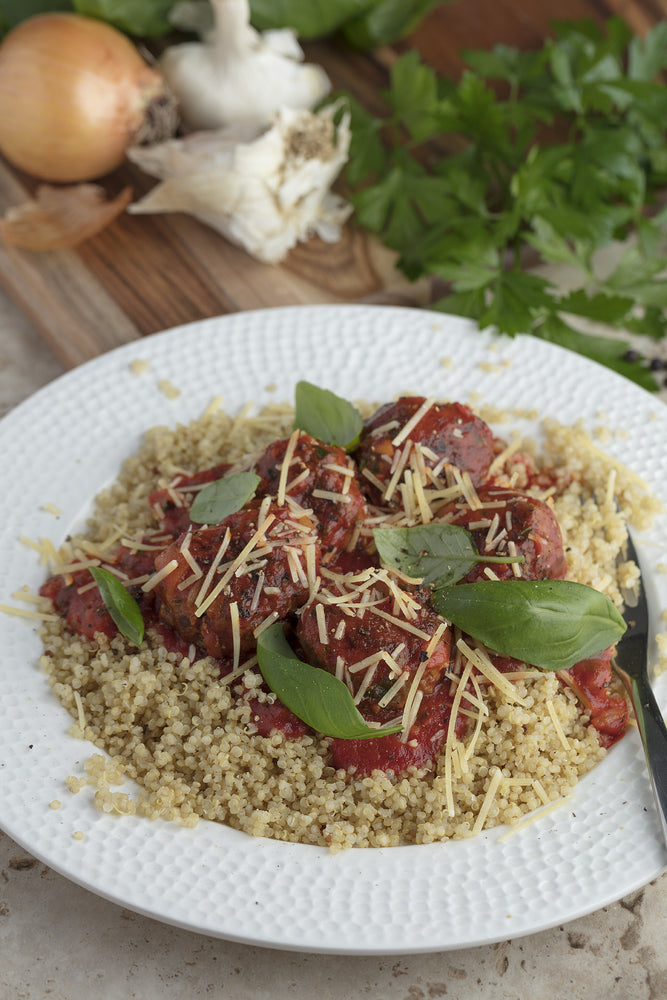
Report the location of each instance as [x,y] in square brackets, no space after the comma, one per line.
[321,624]
[284,468]
[240,670]
[435,639]
[538,814]
[413,421]
[494,784]
[79,711]
[51,508]
[406,626]
[236,633]
[411,703]
[44,616]
[160,575]
[391,693]
[481,660]
[557,726]
[240,559]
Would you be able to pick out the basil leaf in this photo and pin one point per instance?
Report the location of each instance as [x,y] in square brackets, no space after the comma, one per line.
[120,604]
[548,623]
[440,554]
[223,497]
[314,695]
[326,416]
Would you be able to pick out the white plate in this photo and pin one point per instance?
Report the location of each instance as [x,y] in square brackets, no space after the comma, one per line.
[62,445]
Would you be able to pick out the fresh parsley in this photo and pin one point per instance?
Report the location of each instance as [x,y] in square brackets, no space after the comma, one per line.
[531,157]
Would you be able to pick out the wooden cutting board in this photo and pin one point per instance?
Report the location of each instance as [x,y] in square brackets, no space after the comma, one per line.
[147,273]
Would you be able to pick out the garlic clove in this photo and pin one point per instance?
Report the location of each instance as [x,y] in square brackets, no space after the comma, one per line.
[266,194]
[283,41]
[239,75]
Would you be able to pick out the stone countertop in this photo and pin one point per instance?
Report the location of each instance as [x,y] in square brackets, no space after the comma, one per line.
[60,941]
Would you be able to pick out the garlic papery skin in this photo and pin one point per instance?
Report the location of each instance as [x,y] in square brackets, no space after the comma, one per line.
[264,192]
[237,74]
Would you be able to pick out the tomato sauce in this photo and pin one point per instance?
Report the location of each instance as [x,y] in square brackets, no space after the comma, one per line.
[76,597]
[591,679]
[79,604]
[427,738]
[268,716]
[330,499]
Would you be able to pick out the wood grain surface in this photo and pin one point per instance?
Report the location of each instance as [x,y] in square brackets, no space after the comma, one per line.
[147,273]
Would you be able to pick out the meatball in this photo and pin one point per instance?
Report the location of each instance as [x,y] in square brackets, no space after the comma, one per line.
[221,588]
[446,433]
[320,479]
[357,645]
[507,517]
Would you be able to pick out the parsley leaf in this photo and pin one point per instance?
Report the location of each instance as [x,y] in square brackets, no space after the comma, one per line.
[462,180]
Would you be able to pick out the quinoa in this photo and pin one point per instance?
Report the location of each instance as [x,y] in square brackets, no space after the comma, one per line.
[188,740]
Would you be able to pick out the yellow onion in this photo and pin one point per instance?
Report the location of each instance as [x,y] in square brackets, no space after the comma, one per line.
[74,94]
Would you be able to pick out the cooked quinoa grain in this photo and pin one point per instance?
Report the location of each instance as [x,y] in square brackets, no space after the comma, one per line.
[188,739]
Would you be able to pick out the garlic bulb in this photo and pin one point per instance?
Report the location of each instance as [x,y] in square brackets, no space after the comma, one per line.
[265,192]
[237,74]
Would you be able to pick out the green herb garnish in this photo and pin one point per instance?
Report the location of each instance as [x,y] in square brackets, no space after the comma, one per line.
[314,695]
[326,416]
[223,497]
[532,157]
[120,604]
[364,23]
[439,554]
[146,18]
[550,624]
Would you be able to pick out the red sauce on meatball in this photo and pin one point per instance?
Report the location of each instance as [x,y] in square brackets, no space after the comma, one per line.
[447,432]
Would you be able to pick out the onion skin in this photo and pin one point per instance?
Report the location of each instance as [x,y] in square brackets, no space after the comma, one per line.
[74,93]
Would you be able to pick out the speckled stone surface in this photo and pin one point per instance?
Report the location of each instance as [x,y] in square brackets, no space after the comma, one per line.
[58,940]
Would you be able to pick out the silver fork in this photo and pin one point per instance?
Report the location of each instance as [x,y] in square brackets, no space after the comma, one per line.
[631,664]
